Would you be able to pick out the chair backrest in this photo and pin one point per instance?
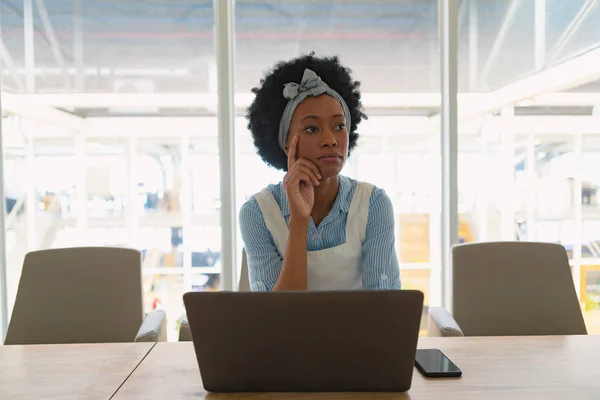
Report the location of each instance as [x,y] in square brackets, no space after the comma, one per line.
[514,288]
[78,295]
[244,283]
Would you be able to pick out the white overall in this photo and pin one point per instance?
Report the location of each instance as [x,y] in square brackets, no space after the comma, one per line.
[336,268]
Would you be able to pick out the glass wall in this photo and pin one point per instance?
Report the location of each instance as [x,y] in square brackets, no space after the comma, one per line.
[525,169]
[506,40]
[91,158]
[110,134]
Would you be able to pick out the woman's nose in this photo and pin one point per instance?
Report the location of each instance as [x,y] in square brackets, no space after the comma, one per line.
[328,138]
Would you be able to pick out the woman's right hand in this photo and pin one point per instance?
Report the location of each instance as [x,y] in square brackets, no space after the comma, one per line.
[299,182]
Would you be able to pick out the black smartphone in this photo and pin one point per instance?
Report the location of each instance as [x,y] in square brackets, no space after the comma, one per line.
[432,363]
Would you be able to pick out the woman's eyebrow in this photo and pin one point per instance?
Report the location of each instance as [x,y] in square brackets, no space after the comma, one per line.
[309,117]
[316,117]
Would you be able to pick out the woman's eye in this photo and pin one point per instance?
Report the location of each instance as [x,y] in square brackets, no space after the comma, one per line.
[310,129]
[341,127]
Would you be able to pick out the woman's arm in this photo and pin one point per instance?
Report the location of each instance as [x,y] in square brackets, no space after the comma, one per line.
[379,263]
[298,185]
[294,274]
[264,261]
[266,269]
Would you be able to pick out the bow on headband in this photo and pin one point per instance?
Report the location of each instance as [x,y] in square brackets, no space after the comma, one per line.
[311,85]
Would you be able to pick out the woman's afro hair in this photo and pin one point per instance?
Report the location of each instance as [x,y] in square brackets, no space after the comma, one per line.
[267,108]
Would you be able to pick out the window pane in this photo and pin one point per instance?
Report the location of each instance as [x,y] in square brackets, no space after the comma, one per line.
[158,201]
[106,181]
[204,237]
[113,97]
[496,42]
[561,16]
[519,163]
[498,39]
[42,205]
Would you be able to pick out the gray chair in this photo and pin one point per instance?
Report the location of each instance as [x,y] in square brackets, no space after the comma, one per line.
[185,335]
[510,288]
[82,295]
[244,283]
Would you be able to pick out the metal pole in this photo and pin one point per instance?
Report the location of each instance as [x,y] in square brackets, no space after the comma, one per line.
[448,25]
[29,46]
[224,45]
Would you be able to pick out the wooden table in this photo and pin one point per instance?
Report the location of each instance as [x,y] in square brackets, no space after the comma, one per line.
[493,368]
[77,371]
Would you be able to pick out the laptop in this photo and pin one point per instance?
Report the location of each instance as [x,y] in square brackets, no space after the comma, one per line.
[305,341]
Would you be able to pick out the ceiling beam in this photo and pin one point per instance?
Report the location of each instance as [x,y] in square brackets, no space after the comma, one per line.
[567,75]
[562,99]
[570,74]
[18,105]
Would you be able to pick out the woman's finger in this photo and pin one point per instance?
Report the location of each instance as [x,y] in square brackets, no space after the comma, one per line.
[310,165]
[305,178]
[300,176]
[292,152]
[308,171]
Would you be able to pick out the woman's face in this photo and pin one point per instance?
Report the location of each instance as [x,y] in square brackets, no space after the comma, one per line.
[320,125]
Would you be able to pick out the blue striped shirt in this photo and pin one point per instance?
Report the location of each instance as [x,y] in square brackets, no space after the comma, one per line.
[379,263]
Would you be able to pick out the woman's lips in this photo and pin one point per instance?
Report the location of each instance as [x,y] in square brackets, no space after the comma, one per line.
[330,159]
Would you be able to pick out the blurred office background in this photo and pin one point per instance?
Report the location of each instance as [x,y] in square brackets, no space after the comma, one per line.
[110,131]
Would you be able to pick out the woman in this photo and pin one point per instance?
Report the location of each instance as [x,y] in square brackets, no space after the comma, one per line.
[316,230]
